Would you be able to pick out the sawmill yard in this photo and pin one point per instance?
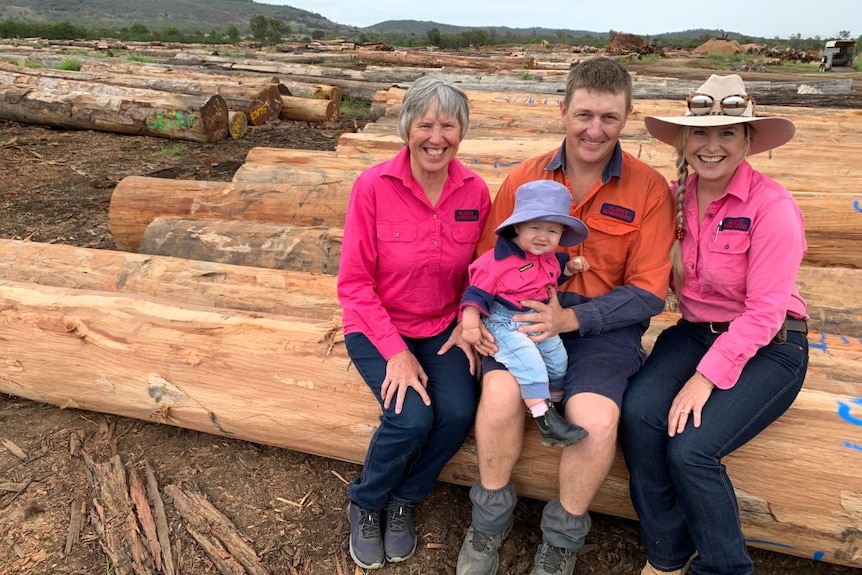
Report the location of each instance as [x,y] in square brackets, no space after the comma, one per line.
[288,506]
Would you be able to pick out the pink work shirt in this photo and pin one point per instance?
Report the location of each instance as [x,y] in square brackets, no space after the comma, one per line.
[403,261]
[740,267]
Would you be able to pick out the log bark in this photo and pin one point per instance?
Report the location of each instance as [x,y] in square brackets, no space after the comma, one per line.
[137,201]
[159,114]
[309,109]
[112,516]
[312,249]
[142,358]
[163,532]
[207,524]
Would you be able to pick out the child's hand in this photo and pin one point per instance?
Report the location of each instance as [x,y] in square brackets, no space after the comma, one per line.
[576,265]
[472,335]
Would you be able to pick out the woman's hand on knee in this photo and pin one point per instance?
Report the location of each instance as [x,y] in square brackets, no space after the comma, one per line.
[403,371]
[689,402]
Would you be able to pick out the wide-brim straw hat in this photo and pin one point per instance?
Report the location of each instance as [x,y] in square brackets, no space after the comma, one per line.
[770,132]
[546,201]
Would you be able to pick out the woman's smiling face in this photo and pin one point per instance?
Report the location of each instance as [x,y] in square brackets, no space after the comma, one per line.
[715,152]
[433,140]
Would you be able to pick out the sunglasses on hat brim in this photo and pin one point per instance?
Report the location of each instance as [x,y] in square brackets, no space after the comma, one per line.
[702,104]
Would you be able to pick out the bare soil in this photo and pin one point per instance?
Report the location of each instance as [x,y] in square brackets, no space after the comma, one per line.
[56,187]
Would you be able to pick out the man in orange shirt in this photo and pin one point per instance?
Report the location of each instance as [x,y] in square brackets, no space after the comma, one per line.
[600,315]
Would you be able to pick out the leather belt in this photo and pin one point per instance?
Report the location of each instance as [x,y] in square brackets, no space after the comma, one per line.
[790,324]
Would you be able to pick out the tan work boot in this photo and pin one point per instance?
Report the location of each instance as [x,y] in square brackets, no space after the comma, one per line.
[650,570]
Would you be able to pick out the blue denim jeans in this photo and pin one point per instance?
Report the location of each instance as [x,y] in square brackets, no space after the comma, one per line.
[408,450]
[537,366]
[679,487]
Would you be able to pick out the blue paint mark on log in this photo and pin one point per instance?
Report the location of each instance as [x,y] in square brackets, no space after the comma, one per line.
[844,411]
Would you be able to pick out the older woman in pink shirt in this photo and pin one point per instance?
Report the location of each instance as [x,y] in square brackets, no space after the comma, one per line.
[410,234]
[737,359]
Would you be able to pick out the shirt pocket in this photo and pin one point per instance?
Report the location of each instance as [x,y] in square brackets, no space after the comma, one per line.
[396,247]
[466,233]
[728,260]
[398,232]
[608,246]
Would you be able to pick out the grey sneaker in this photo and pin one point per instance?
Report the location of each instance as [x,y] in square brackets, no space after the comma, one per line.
[556,431]
[399,535]
[479,553]
[552,560]
[366,542]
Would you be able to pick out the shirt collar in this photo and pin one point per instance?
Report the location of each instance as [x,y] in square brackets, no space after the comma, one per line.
[739,185]
[506,247]
[614,167]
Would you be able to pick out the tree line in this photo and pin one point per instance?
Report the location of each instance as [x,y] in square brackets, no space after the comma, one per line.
[267,30]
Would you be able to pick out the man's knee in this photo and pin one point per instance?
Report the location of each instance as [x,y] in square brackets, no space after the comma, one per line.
[598,415]
[500,397]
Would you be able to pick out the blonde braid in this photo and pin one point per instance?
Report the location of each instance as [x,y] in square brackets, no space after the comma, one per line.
[676,249]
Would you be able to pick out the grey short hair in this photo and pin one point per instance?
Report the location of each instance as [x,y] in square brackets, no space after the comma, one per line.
[450,100]
[600,74]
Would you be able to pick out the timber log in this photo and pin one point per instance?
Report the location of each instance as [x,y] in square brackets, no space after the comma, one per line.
[834,239]
[154,113]
[173,362]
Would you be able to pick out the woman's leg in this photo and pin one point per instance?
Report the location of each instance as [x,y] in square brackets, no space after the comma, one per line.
[683,496]
[454,395]
[408,450]
[644,436]
[766,388]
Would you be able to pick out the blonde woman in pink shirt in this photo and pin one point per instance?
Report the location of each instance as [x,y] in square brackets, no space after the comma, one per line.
[410,233]
[737,359]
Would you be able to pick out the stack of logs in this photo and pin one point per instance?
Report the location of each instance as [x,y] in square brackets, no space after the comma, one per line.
[149,99]
[235,282]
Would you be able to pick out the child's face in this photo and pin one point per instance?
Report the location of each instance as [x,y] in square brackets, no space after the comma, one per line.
[538,237]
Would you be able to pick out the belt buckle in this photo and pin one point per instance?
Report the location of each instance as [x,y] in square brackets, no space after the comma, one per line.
[781,336]
[712,329]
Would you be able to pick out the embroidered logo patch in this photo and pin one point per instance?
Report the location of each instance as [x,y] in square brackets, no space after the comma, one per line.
[525,267]
[738,224]
[466,215]
[618,213]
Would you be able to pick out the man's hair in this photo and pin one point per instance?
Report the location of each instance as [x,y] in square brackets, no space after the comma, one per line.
[600,74]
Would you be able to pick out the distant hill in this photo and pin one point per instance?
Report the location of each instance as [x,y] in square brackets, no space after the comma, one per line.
[185,15]
[207,15]
[420,28]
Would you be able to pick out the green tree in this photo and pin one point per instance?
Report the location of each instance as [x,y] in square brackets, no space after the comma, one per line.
[259,25]
[276,30]
[434,36]
[232,34]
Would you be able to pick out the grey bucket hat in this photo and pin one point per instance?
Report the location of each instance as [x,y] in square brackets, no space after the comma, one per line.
[547,201]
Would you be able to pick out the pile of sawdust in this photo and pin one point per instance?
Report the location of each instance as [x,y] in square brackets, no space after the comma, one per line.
[717,47]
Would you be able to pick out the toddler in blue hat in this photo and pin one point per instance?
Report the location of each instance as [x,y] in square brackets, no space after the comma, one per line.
[525,264]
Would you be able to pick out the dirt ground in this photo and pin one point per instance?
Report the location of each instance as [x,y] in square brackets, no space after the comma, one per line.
[55,186]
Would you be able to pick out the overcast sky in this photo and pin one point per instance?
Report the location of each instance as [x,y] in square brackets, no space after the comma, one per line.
[761,18]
